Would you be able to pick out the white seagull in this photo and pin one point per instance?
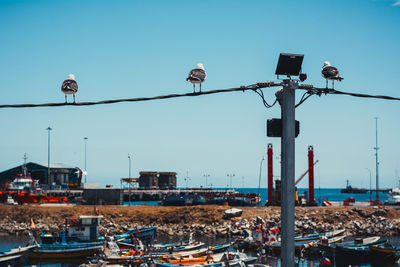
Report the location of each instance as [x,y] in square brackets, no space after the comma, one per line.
[197,75]
[330,73]
[69,87]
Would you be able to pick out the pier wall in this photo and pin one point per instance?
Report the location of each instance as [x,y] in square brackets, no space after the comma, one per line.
[102,196]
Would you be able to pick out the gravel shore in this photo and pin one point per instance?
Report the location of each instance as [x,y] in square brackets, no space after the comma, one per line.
[204,220]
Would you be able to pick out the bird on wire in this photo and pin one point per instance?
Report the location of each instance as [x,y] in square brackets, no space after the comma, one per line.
[197,75]
[69,87]
[330,73]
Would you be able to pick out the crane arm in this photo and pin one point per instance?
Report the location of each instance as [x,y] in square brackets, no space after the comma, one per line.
[304,174]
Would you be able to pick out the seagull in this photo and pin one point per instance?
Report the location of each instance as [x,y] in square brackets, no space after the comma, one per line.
[69,87]
[197,75]
[330,73]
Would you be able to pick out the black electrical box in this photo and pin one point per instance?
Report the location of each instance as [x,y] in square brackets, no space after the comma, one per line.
[274,128]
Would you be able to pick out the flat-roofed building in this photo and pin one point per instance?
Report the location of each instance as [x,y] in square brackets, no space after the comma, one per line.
[167,180]
[148,180]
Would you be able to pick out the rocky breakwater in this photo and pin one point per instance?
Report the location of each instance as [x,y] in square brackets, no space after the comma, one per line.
[204,220]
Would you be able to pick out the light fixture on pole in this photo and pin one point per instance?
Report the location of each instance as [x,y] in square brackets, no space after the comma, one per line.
[288,65]
[85,139]
[129,159]
[230,176]
[259,178]
[48,154]
[187,179]
[206,176]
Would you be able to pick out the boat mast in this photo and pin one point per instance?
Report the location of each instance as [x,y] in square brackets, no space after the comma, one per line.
[376,159]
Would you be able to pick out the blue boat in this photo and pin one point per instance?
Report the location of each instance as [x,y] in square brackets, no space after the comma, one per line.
[11,256]
[66,251]
[79,229]
[145,234]
[186,200]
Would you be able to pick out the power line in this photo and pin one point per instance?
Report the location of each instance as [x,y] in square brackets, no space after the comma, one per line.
[311,90]
[253,87]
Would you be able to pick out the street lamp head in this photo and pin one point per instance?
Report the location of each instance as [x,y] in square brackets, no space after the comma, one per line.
[289,64]
[85,138]
[49,128]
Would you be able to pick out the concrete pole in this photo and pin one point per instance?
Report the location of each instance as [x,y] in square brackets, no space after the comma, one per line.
[270,174]
[287,101]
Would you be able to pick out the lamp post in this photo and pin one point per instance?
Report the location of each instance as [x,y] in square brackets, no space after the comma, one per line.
[230,176]
[85,140]
[370,189]
[259,178]
[129,183]
[187,179]
[129,159]
[206,176]
[48,154]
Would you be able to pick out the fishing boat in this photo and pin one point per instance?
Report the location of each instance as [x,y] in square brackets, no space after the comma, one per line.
[25,190]
[385,252]
[84,228]
[355,190]
[232,259]
[66,251]
[12,255]
[179,248]
[185,200]
[330,249]
[311,237]
[144,234]
[219,248]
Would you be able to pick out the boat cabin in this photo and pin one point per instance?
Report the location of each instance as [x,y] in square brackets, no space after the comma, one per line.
[84,227]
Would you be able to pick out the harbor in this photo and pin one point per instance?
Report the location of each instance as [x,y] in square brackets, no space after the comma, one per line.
[243,233]
[199,133]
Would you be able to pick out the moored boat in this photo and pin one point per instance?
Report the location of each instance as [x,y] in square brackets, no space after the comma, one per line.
[10,255]
[330,249]
[144,234]
[84,228]
[385,252]
[69,251]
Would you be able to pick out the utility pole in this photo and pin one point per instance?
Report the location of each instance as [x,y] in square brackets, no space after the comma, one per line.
[286,98]
[376,159]
[48,154]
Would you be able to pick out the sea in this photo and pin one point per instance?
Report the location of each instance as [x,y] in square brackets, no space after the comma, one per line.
[331,194]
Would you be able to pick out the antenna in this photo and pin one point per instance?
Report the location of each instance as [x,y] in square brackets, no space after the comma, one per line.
[24,166]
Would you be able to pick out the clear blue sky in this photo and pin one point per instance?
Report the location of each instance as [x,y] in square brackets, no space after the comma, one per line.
[124,49]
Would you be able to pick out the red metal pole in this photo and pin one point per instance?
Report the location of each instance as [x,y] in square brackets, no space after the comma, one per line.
[270,178]
[311,200]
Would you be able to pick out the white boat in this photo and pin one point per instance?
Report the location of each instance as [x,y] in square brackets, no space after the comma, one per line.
[11,255]
[232,212]
[11,201]
[394,196]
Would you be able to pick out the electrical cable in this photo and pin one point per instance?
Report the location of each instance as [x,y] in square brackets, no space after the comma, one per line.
[304,98]
[141,99]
